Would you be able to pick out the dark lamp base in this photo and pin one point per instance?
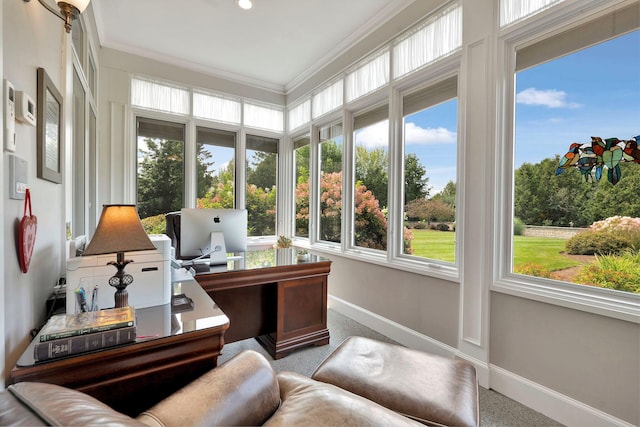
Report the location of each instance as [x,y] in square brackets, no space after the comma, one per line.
[121,298]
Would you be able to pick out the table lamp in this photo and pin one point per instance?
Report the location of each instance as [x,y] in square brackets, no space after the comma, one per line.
[119,231]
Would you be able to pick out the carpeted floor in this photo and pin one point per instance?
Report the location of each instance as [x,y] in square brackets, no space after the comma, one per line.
[496,410]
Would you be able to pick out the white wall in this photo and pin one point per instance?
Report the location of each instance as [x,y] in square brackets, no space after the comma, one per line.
[32,38]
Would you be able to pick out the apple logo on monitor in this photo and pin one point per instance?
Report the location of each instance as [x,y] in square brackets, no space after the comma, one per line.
[216,219]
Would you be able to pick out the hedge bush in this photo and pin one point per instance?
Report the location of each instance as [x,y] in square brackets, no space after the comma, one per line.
[442,227]
[598,243]
[518,227]
[154,224]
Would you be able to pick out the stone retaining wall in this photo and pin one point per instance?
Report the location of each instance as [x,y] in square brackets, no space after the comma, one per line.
[557,232]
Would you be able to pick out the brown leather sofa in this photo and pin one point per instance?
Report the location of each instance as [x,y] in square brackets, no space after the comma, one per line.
[244,391]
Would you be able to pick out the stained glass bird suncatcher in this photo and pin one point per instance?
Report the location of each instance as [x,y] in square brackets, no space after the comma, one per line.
[590,158]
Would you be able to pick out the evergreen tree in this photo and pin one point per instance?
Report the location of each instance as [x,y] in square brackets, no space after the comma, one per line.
[415,179]
[160,177]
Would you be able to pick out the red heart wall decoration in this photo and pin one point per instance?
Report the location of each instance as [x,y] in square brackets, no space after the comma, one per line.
[27,234]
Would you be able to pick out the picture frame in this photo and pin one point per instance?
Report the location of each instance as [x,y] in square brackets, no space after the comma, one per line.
[50,129]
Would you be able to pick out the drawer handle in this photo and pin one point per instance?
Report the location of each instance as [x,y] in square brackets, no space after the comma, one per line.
[150,269]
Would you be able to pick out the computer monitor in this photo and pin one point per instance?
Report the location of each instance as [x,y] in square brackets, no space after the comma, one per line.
[196,226]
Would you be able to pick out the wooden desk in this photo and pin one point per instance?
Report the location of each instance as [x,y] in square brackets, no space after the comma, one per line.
[271,296]
[172,350]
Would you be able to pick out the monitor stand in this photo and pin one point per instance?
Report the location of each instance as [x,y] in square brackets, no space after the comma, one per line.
[218,253]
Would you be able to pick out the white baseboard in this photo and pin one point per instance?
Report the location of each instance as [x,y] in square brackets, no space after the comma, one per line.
[557,406]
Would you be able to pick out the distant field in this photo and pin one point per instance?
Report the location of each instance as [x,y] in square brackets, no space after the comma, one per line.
[440,245]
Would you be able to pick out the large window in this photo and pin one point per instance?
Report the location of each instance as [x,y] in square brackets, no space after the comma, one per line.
[430,159]
[330,203]
[215,168]
[576,206]
[371,169]
[208,127]
[160,165]
[262,175]
[81,168]
[302,153]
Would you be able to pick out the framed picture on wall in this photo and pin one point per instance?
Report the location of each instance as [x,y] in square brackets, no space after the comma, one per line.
[50,129]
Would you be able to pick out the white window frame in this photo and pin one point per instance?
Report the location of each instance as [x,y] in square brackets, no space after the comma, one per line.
[260,128]
[606,302]
[77,63]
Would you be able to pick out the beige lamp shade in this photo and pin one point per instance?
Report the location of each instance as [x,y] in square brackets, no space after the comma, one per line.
[119,230]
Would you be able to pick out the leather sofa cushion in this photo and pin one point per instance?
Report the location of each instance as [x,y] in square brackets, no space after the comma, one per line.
[306,402]
[54,405]
[241,392]
[14,413]
[432,389]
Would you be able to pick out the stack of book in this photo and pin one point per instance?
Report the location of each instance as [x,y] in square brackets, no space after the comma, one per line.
[67,334]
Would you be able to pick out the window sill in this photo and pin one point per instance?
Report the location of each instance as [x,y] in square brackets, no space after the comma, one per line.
[604,302]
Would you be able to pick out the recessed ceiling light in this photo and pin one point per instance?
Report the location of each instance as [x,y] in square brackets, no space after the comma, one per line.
[245,4]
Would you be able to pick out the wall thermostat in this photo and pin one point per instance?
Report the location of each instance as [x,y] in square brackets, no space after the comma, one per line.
[25,108]
[9,116]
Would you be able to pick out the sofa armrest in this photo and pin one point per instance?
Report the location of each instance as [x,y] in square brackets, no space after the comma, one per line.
[31,403]
[242,391]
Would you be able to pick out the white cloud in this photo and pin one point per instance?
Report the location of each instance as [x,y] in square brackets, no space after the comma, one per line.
[376,135]
[414,134]
[551,98]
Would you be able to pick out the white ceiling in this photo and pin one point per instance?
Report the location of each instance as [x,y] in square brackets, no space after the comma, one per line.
[275,45]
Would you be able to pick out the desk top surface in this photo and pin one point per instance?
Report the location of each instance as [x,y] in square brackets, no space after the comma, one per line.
[261,259]
[166,320]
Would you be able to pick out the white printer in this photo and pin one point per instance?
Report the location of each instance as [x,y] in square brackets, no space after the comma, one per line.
[151,271]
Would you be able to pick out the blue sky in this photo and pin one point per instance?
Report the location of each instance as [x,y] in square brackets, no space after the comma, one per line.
[593,92]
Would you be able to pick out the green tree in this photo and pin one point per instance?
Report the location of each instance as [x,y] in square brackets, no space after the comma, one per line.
[221,193]
[415,179]
[429,210]
[331,156]
[447,195]
[543,198]
[261,212]
[371,171]
[160,177]
[620,199]
[203,164]
[261,170]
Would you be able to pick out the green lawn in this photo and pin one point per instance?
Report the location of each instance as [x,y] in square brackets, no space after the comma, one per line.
[434,244]
[440,245]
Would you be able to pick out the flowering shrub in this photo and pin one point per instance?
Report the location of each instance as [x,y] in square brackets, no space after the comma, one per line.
[620,272]
[370,220]
[532,269]
[617,223]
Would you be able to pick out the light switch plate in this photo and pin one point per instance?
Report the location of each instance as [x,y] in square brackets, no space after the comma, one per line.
[18,177]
